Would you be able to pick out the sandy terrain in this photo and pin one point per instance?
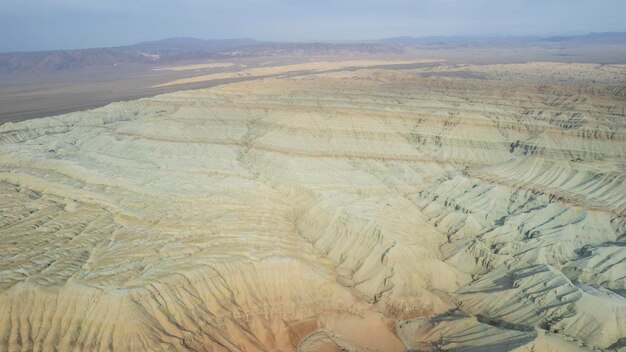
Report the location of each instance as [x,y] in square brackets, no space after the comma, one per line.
[36,85]
[472,208]
[29,95]
[196,66]
[315,66]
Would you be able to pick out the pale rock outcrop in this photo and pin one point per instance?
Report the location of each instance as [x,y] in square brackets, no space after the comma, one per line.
[466,208]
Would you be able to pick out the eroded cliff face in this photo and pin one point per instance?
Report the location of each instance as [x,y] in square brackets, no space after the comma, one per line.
[449,208]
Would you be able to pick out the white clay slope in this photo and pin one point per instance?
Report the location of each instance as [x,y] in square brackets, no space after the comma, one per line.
[473,208]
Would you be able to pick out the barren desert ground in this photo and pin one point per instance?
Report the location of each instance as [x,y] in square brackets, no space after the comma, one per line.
[357,207]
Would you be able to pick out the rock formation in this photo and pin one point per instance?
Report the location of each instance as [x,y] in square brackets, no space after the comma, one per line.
[456,208]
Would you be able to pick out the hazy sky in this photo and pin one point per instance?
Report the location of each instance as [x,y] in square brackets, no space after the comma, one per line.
[54,24]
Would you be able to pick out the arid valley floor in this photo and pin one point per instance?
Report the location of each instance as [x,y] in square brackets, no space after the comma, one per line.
[363,206]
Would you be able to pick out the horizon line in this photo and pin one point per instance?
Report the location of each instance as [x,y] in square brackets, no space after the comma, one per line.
[332,41]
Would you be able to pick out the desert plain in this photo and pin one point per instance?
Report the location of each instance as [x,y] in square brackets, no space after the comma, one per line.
[353,206]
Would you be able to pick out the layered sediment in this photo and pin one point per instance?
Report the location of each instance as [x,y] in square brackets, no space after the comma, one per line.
[466,208]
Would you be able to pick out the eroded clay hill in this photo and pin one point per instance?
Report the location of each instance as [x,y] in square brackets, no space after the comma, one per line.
[473,208]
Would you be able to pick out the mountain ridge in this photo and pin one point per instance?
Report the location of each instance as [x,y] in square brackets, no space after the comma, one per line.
[177,49]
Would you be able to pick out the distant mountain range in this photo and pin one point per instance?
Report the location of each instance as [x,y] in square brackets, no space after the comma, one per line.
[593,38]
[173,50]
[181,49]
[167,50]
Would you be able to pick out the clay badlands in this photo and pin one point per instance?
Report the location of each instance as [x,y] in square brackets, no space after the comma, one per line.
[374,208]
